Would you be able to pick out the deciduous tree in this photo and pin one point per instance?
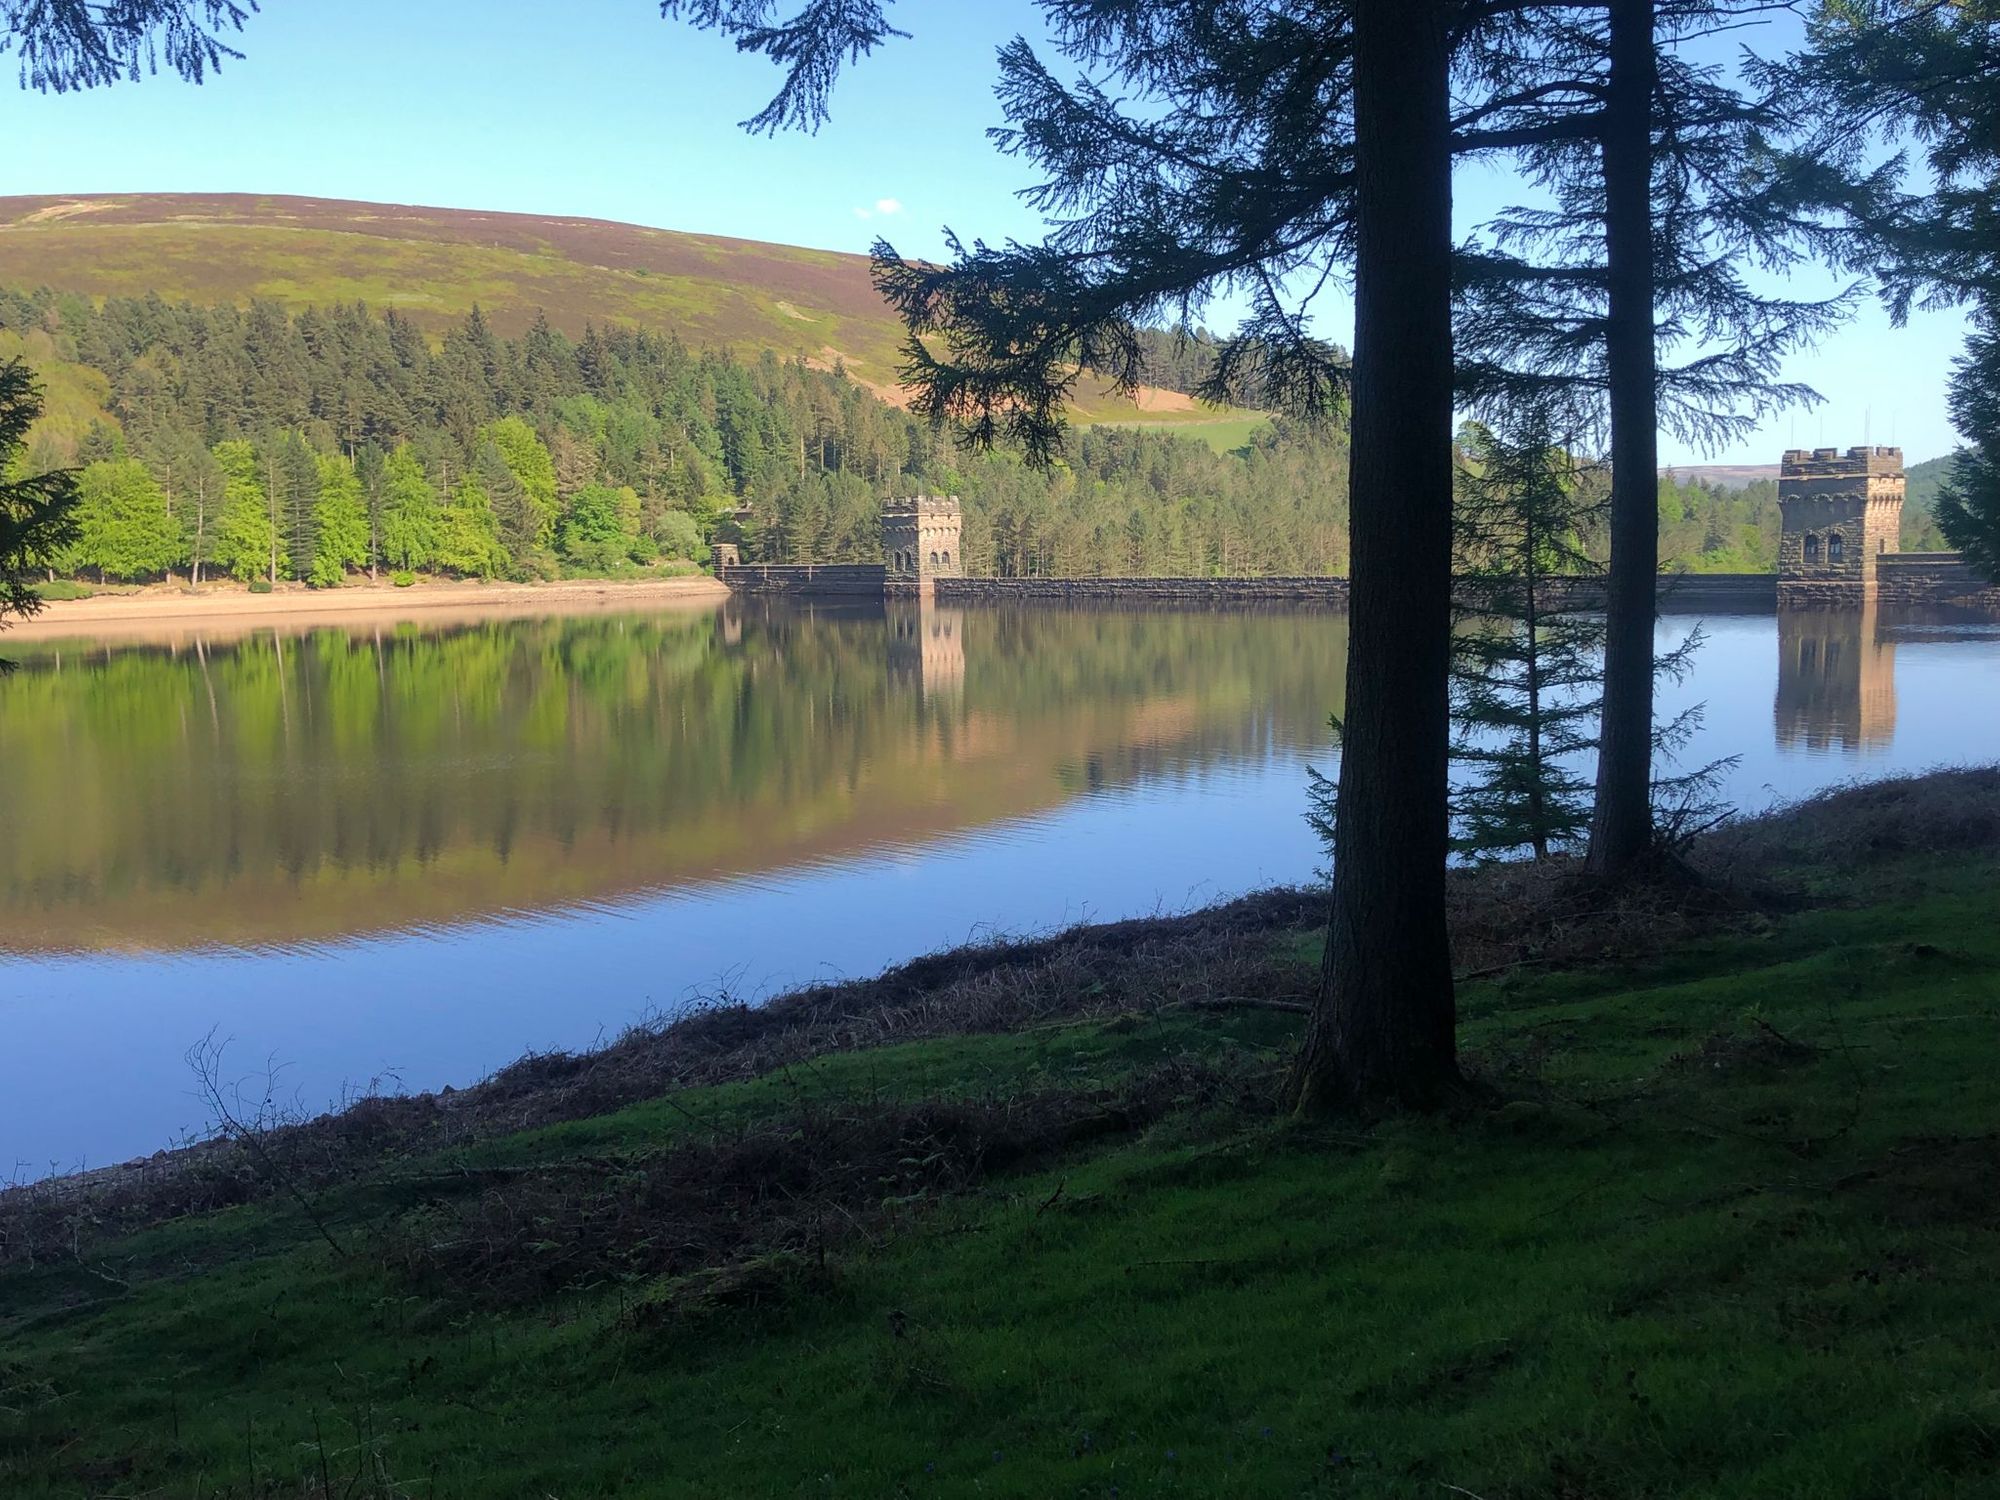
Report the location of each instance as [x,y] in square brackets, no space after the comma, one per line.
[126,529]
[340,524]
[409,511]
[247,545]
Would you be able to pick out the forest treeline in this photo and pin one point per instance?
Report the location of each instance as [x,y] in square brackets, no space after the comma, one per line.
[338,440]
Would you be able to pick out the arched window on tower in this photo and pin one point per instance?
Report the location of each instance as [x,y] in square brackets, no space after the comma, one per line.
[1812,546]
[934,561]
[947,559]
[1836,547]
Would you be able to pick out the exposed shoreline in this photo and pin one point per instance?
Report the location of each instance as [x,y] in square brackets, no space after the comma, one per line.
[162,610]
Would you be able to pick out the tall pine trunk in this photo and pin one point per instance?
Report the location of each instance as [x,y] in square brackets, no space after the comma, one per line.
[1621,829]
[1382,1032]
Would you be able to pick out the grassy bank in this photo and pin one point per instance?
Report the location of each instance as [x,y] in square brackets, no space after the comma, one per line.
[1718,1219]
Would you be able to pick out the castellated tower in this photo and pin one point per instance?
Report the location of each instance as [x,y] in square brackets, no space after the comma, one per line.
[1841,512]
[921,541]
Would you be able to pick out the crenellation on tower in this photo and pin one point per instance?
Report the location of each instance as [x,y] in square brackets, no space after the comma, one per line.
[1841,512]
[922,541]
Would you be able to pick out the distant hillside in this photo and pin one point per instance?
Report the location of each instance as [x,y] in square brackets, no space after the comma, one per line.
[435,264]
[1724,476]
[1926,479]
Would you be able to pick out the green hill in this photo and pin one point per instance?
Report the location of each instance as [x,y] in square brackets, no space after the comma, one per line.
[1926,479]
[434,265]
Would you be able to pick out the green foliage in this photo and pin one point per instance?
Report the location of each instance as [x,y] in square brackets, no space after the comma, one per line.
[1706,528]
[679,536]
[468,537]
[1914,72]
[247,545]
[1527,672]
[260,585]
[63,588]
[37,509]
[528,517]
[402,578]
[600,531]
[409,511]
[127,530]
[1968,507]
[789,460]
[340,522]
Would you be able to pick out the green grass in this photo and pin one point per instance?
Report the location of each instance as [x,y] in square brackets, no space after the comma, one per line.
[1724,1227]
[58,589]
[1224,432]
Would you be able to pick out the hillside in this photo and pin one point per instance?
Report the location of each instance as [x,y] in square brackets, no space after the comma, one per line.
[1724,476]
[1926,479]
[434,265]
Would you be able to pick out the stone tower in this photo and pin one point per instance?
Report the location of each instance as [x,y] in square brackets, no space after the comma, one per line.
[1841,512]
[921,541]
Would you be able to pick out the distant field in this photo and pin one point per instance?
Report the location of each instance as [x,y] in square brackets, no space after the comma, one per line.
[436,264]
[1224,430]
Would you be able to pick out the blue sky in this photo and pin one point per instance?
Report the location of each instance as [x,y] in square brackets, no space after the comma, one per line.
[613,113]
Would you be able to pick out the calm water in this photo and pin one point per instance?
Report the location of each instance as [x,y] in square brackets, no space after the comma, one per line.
[408,855]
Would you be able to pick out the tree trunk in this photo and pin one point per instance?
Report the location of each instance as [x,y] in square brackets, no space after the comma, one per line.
[272,468]
[1532,644]
[1621,829]
[1382,1032]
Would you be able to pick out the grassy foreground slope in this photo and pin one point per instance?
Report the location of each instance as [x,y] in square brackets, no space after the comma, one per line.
[434,265]
[1719,1221]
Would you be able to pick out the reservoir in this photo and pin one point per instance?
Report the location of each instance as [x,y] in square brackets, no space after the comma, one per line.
[399,856]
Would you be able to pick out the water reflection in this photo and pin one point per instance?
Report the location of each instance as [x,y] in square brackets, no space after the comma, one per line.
[927,648]
[1836,679]
[277,790]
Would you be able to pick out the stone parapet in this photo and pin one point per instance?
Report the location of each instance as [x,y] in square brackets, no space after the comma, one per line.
[1724,591]
[1934,578]
[1326,592]
[846,580]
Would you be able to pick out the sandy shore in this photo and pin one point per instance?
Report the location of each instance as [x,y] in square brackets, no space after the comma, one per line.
[220,610]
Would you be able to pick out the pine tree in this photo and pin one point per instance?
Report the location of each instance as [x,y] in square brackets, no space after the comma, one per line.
[67,44]
[37,509]
[1527,680]
[1968,508]
[1260,146]
[1628,299]
[1893,71]
[298,469]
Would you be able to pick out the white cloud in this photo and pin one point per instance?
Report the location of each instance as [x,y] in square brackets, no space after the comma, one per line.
[888,206]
